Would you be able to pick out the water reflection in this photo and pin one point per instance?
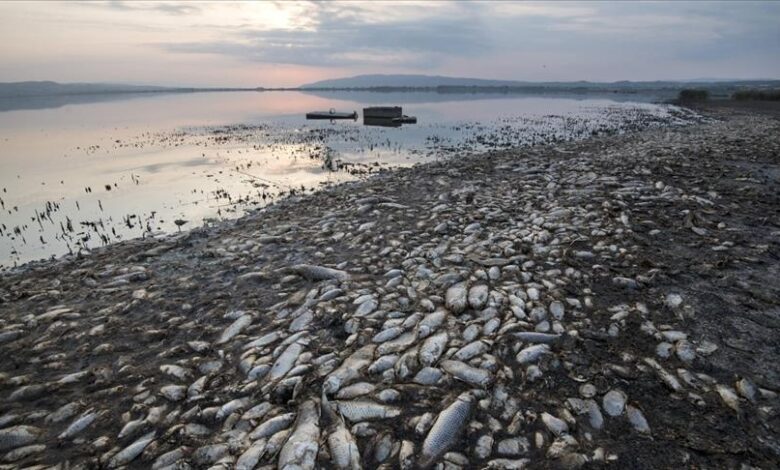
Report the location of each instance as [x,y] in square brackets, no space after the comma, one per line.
[380,122]
[82,175]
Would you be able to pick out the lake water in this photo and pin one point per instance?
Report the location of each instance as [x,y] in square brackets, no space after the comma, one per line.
[80,172]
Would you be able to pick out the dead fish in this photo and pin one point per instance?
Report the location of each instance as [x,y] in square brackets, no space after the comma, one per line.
[18,436]
[355,390]
[554,424]
[231,406]
[729,396]
[428,376]
[169,458]
[614,402]
[300,450]
[349,370]
[382,364]
[131,428]
[383,446]
[446,429]
[73,378]
[364,410]
[467,373]
[263,341]
[430,323]
[234,329]
[196,388]
[478,296]
[302,321]
[471,350]
[24,452]
[210,454]
[80,424]
[198,346]
[532,354]
[275,443]
[272,426]
[257,411]
[746,389]
[285,362]
[432,348]
[173,370]
[344,452]
[401,343]
[456,297]
[173,392]
[484,446]
[62,413]
[132,451]
[249,459]
[387,334]
[534,337]
[637,419]
[320,273]
[509,464]
[406,455]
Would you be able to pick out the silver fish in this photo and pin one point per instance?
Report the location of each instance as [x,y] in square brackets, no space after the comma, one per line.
[382,364]
[300,450]
[472,349]
[263,341]
[467,373]
[231,406]
[169,458]
[363,410]
[132,451]
[24,452]
[446,429]
[432,348]
[455,299]
[196,388]
[349,370]
[320,273]
[532,354]
[79,424]
[248,460]
[234,329]
[285,362]
[272,426]
[344,452]
[257,411]
[17,436]
[430,323]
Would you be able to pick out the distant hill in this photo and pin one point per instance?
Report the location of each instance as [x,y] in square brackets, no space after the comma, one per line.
[409,81]
[47,88]
[459,84]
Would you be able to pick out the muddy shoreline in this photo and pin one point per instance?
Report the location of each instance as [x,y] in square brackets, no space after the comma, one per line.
[637,274]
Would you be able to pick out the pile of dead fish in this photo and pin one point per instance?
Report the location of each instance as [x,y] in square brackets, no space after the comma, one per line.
[425,322]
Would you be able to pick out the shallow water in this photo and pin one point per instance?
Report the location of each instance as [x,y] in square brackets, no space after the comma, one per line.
[85,173]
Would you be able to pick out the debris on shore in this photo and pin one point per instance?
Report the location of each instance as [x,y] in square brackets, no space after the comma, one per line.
[611,301]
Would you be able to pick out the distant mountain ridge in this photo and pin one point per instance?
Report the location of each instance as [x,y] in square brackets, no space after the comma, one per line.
[411,81]
[47,88]
[436,81]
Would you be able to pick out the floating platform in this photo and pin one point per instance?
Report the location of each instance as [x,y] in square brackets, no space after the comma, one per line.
[383,112]
[332,114]
[406,119]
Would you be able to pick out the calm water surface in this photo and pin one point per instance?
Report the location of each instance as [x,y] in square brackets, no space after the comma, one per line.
[75,176]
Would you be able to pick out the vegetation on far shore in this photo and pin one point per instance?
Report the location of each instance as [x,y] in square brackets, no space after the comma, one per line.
[757,95]
[688,95]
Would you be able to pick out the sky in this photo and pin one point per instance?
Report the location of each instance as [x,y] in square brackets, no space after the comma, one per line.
[276,44]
